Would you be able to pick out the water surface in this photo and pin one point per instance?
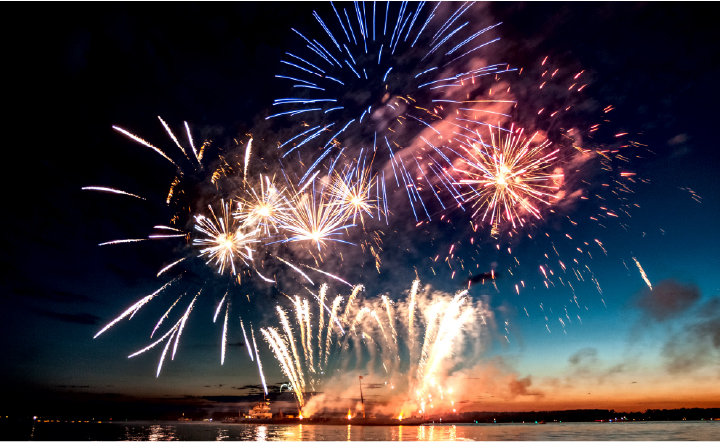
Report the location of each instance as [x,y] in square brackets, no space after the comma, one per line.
[685,430]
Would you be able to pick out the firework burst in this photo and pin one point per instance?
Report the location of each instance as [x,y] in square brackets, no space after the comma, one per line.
[509,177]
[265,208]
[316,218]
[225,240]
[374,76]
[352,189]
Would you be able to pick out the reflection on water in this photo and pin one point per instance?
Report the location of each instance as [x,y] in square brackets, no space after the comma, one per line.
[150,432]
[261,433]
[222,434]
[687,430]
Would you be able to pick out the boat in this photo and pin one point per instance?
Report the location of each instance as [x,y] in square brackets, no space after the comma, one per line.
[261,410]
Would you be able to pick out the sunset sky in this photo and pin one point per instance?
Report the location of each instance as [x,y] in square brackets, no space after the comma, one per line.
[617,345]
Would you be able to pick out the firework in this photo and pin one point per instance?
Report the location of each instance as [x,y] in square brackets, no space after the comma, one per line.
[162,318]
[225,240]
[111,190]
[121,241]
[444,325]
[145,143]
[257,358]
[281,353]
[261,216]
[315,218]
[182,324]
[508,176]
[224,340]
[168,267]
[134,308]
[263,209]
[174,332]
[449,327]
[245,336]
[220,305]
[353,82]
[247,158]
[643,274]
[352,191]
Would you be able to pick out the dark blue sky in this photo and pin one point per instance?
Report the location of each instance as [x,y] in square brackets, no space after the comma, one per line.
[71,78]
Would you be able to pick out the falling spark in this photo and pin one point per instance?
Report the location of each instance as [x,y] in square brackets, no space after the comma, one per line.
[145,143]
[172,330]
[135,307]
[111,190]
[225,336]
[296,269]
[643,274]
[121,241]
[247,159]
[166,236]
[257,358]
[264,278]
[168,266]
[190,140]
[162,318]
[245,336]
[167,228]
[182,324]
[220,304]
[165,351]
[330,275]
[172,136]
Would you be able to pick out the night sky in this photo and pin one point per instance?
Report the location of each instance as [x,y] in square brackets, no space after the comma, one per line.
[75,70]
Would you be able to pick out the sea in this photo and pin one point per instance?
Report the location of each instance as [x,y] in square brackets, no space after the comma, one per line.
[156,431]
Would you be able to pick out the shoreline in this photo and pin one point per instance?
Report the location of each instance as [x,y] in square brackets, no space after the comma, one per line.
[385,423]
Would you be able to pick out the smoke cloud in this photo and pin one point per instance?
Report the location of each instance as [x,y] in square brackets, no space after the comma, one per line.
[667,300]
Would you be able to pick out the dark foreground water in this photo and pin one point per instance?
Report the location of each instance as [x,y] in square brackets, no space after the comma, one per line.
[686,430]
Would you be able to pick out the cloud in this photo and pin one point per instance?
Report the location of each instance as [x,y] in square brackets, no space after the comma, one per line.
[236,344]
[73,318]
[51,295]
[697,344]
[678,139]
[585,363]
[667,300]
[251,389]
[691,340]
[583,356]
[494,378]
[679,145]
